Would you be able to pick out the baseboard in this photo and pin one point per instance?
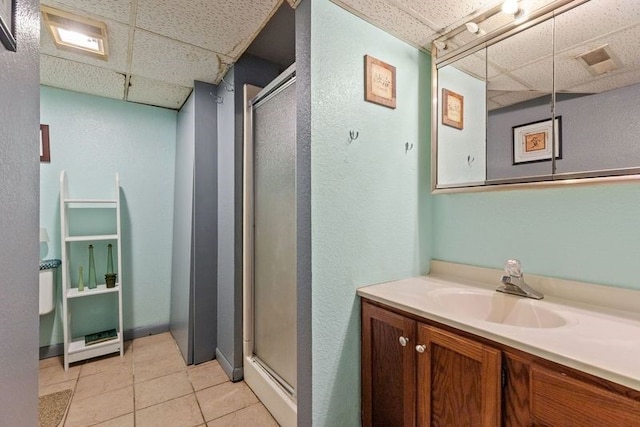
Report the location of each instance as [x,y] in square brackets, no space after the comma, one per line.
[129,334]
[234,374]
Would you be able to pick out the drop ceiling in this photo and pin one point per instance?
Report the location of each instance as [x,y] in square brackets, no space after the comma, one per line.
[157,48]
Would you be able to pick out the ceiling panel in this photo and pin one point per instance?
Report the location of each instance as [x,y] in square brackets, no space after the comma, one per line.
[118,10]
[174,62]
[154,92]
[523,48]
[70,75]
[391,19]
[118,34]
[444,13]
[609,82]
[538,76]
[226,27]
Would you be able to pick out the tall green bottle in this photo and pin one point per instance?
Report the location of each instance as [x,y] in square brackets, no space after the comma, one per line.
[93,281]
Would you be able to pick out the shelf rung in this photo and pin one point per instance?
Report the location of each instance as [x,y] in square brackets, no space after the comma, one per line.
[90,201]
[101,289]
[91,237]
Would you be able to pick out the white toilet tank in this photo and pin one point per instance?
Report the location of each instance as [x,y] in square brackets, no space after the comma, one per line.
[47,285]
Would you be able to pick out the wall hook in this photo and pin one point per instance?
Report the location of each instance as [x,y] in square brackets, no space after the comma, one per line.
[353,135]
[219,99]
[470,159]
[408,146]
[227,86]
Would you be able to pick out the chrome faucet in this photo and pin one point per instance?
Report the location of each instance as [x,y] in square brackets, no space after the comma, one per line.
[513,282]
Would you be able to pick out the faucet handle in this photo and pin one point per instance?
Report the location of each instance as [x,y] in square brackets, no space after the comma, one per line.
[513,268]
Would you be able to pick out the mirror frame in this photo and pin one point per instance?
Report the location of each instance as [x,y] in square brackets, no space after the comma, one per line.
[573,179]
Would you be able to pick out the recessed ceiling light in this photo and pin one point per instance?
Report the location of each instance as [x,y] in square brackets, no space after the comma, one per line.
[76,33]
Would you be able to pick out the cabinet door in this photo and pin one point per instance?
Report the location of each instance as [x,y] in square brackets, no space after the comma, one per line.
[388,368]
[458,382]
[559,400]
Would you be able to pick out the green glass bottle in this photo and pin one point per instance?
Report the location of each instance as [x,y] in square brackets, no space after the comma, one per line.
[93,281]
[109,259]
[80,279]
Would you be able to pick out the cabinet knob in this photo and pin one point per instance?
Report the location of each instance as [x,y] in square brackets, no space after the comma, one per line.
[421,348]
[403,341]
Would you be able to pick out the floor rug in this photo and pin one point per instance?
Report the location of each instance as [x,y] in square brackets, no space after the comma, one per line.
[52,407]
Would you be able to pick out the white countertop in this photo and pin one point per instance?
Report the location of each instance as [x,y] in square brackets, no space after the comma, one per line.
[602,341]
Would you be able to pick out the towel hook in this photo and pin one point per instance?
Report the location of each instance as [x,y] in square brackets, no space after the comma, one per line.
[470,159]
[227,86]
[353,135]
[408,146]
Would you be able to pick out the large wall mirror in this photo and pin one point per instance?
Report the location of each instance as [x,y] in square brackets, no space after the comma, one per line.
[550,94]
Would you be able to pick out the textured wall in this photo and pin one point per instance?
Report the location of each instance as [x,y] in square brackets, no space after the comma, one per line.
[92,138]
[370,198]
[19,221]
[583,233]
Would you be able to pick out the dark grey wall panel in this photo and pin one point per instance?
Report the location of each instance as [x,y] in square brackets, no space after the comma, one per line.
[19,206]
[258,72]
[598,132]
[205,223]
[303,214]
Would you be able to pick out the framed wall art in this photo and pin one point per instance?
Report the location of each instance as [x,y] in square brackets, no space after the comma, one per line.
[532,141]
[452,109]
[45,153]
[7,24]
[380,82]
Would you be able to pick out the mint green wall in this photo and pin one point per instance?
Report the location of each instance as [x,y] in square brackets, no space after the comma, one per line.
[370,199]
[92,138]
[589,233]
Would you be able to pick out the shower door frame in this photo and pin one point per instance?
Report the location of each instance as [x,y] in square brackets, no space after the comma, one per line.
[278,399]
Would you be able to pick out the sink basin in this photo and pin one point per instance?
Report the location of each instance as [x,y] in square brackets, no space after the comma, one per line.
[499,308]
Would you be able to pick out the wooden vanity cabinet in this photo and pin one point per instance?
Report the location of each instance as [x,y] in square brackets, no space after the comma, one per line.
[416,373]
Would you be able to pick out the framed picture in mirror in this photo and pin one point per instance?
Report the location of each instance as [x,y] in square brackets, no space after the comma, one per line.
[45,154]
[452,109]
[532,142]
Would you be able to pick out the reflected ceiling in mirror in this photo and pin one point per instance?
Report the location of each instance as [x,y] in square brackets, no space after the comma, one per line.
[594,66]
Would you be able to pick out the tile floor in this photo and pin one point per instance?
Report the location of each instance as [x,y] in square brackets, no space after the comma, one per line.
[151,386]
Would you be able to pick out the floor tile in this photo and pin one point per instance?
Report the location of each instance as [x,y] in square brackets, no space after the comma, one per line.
[123,421]
[254,415]
[155,351]
[57,374]
[154,368]
[206,375]
[161,389]
[180,412]
[102,407]
[95,385]
[107,363]
[225,398]
[152,339]
[52,361]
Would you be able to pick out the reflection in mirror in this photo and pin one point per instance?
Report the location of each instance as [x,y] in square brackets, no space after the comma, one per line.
[519,88]
[462,121]
[598,85]
[587,51]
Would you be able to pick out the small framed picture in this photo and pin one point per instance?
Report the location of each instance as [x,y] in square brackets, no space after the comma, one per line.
[380,82]
[532,141]
[45,154]
[452,109]
[7,24]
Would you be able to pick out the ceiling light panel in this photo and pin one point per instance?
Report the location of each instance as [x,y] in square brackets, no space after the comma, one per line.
[118,44]
[76,33]
[117,10]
